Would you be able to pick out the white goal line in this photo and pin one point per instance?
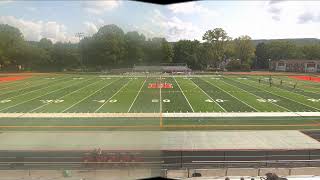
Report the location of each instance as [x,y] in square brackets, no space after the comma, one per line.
[157,115]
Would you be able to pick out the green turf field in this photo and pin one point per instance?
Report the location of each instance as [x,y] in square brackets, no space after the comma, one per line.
[100,94]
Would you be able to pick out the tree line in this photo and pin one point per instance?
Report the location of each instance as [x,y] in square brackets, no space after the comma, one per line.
[111,48]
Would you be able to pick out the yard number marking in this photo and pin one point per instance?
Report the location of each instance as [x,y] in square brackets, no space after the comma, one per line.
[217,100]
[5,101]
[52,101]
[103,101]
[314,100]
[267,100]
[164,100]
[155,100]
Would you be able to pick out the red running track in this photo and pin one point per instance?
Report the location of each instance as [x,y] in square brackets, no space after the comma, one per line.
[306,78]
[12,78]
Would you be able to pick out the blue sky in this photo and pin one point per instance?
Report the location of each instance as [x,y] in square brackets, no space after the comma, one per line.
[60,20]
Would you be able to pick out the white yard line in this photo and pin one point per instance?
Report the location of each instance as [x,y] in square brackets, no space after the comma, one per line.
[33,90]
[284,90]
[20,83]
[87,96]
[256,95]
[37,97]
[136,96]
[183,94]
[286,98]
[231,95]
[208,96]
[69,93]
[196,115]
[160,97]
[112,96]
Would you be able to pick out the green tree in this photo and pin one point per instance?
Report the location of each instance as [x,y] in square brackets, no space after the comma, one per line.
[11,46]
[244,49]
[218,39]
[167,52]
[262,56]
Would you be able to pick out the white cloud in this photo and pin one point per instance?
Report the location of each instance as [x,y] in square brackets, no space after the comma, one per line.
[90,28]
[99,7]
[35,30]
[192,8]
[187,8]
[173,28]
[178,29]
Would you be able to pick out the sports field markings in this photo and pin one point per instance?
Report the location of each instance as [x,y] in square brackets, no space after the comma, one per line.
[284,97]
[184,94]
[258,96]
[112,96]
[208,96]
[11,97]
[88,96]
[282,89]
[34,85]
[38,96]
[136,96]
[59,98]
[160,106]
[231,95]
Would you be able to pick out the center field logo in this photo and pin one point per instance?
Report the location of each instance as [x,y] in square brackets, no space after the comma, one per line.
[160,85]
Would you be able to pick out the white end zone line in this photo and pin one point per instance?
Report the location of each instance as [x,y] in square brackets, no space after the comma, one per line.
[129,115]
[183,94]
